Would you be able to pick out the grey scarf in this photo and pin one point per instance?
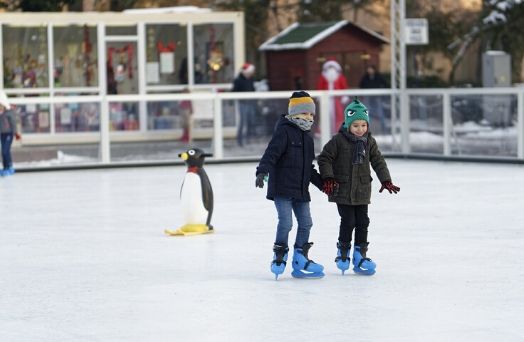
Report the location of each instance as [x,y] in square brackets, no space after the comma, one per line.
[304,125]
[359,153]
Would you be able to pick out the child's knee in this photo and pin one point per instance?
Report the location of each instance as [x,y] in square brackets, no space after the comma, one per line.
[363,223]
[285,225]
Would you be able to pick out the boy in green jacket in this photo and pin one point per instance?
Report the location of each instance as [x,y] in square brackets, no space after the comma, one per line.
[345,169]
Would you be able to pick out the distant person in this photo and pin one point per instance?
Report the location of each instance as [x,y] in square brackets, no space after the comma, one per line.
[298,83]
[332,78]
[244,82]
[183,72]
[373,80]
[345,163]
[8,131]
[111,81]
[266,115]
[186,110]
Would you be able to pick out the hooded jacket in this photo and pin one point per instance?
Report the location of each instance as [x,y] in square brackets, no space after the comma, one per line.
[288,160]
[8,122]
[354,181]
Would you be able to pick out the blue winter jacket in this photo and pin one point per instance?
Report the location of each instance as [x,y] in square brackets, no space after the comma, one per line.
[288,160]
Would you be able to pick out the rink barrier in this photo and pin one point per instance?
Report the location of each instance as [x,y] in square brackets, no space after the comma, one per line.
[400,122]
[251,160]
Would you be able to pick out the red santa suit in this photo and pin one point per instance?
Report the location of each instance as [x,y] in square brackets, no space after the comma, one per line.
[332,78]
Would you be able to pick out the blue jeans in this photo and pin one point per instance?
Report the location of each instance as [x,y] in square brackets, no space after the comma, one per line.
[285,206]
[246,126]
[6,140]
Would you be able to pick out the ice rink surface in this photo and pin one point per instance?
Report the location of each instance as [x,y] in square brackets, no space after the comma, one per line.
[83,258]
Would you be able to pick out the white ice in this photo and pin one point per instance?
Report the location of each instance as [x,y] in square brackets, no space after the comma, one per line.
[83,258]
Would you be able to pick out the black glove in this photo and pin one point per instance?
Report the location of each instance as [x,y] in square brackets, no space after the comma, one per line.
[259,183]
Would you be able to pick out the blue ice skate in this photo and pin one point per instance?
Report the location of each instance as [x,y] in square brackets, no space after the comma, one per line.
[343,260]
[278,265]
[8,172]
[303,267]
[362,264]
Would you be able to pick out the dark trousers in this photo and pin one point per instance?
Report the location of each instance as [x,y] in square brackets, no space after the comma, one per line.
[6,140]
[353,217]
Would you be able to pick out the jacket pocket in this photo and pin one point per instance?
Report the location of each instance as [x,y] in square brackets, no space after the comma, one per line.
[344,186]
[296,151]
[364,188]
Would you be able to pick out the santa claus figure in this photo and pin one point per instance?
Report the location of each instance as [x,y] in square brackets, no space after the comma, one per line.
[332,78]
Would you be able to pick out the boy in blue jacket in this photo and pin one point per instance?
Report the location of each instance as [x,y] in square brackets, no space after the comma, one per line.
[288,161]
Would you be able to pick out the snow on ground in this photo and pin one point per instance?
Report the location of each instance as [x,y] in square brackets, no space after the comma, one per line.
[83,258]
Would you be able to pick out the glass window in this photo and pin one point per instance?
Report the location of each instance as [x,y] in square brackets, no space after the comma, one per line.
[34,118]
[25,57]
[124,116]
[77,117]
[121,30]
[122,68]
[484,125]
[75,56]
[168,114]
[214,53]
[426,124]
[166,54]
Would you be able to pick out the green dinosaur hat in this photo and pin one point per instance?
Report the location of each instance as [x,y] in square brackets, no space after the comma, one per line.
[355,111]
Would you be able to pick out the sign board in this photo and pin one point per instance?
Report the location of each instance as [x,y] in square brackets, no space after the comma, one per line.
[416,31]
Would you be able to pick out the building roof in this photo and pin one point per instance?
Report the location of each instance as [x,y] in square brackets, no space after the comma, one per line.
[175,9]
[304,36]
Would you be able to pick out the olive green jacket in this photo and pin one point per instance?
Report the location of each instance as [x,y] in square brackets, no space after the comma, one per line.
[335,161]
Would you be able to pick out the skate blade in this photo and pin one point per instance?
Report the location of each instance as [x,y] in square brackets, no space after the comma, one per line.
[189,229]
[304,275]
[363,271]
[343,266]
[276,272]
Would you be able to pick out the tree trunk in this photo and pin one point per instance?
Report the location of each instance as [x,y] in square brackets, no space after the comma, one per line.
[451,78]
[355,15]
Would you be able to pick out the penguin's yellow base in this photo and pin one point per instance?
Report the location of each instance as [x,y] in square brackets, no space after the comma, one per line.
[189,229]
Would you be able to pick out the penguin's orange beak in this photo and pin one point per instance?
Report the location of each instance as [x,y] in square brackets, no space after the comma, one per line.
[184,156]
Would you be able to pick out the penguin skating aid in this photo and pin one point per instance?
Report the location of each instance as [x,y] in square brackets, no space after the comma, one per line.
[196,196]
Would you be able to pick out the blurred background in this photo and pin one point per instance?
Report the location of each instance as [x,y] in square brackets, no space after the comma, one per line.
[107,82]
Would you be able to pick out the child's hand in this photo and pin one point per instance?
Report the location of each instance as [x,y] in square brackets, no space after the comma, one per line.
[389,187]
[329,186]
[259,183]
[18,136]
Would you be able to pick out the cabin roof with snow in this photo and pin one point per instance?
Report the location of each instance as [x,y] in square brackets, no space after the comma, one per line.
[305,35]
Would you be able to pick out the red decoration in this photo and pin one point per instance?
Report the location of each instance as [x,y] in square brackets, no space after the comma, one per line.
[170,47]
[127,48]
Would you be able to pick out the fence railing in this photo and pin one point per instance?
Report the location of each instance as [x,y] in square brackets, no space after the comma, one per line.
[465,122]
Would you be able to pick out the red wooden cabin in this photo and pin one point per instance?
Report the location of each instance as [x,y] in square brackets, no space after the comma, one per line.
[295,56]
